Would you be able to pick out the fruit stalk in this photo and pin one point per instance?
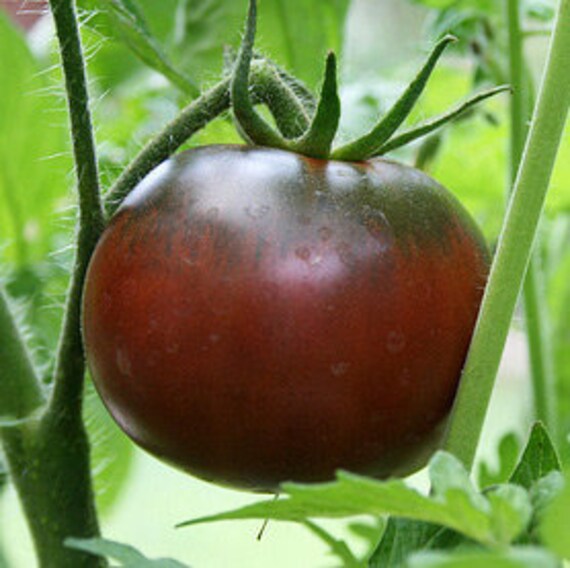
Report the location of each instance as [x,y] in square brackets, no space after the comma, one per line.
[267,86]
[515,245]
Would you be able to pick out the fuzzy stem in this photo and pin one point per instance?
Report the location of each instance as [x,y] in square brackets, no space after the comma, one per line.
[273,86]
[70,365]
[49,458]
[267,86]
[536,316]
[514,247]
[194,117]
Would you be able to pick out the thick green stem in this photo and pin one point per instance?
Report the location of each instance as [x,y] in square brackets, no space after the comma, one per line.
[536,316]
[47,462]
[49,458]
[514,247]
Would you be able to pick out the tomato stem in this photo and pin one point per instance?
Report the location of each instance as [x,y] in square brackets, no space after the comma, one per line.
[291,109]
[268,85]
[515,245]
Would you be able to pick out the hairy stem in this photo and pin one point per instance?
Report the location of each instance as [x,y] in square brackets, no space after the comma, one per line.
[49,458]
[515,245]
[194,117]
[535,308]
[267,87]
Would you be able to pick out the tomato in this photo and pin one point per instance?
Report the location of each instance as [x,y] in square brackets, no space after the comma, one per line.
[254,316]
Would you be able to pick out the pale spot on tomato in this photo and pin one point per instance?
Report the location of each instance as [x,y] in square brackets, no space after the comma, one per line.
[124,363]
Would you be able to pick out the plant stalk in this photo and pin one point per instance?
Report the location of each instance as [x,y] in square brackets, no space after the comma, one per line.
[48,458]
[535,308]
[514,247]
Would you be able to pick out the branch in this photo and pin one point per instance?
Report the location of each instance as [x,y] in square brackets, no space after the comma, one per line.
[267,87]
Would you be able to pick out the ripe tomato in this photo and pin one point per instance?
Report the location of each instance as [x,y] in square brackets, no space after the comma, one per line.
[254,316]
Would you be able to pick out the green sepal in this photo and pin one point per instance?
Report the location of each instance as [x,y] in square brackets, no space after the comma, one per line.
[438,121]
[367,145]
[317,141]
[253,127]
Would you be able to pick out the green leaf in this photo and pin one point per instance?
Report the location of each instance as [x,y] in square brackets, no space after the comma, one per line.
[509,448]
[192,34]
[517,557]
[34,149]
[369,530]
[447,473]
[511,511]
[538,459]
[555,526]
[455,504]
[299,33]
[128,556]
[542,494]
[338,548]
[130,26]
[111,451]
[402,537]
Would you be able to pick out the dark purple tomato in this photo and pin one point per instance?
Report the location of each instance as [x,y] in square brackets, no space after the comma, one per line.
[253,316]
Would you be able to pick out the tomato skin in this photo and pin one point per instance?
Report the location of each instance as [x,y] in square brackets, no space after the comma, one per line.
[253,316]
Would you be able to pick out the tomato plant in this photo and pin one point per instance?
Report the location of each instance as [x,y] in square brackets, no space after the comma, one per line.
[255,317]
[295,308]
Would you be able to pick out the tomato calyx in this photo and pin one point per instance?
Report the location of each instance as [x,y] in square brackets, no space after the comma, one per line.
[317,139]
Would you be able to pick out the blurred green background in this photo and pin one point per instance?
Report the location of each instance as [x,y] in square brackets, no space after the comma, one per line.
[143,66]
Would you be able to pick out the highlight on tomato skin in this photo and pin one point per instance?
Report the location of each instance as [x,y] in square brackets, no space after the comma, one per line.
[253,316]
